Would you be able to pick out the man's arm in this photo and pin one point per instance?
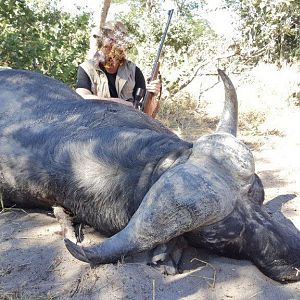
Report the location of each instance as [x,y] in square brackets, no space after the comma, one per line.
[83,88]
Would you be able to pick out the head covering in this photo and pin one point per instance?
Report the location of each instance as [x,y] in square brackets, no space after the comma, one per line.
[117,28]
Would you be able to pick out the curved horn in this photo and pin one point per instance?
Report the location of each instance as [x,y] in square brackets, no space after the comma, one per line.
[228,121]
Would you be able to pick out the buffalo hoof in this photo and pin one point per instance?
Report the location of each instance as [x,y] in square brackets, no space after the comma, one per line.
[76,251]
[167,257]
[167,267]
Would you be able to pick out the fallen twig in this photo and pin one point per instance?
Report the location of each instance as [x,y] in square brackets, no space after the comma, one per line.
[52,267]
[31,237]
[76,288]
[153,289]
[8,209]
[255,295]
[1,202]
[214,276]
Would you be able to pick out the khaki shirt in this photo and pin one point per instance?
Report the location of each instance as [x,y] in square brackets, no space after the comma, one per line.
[125,79]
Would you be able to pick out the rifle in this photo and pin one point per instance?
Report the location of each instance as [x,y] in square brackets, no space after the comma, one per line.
[148,105]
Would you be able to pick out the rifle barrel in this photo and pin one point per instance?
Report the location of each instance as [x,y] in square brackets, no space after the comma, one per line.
[162,41]
[148,96]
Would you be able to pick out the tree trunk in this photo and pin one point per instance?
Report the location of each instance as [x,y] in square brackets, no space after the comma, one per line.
[104,12]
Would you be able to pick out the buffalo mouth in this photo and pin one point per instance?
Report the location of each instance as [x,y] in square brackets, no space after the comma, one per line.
[283,272]
[249,232]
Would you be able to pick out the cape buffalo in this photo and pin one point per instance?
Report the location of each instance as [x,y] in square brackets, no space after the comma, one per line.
[129,177]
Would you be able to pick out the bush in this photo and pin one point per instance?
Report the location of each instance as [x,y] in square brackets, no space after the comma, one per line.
[42,38]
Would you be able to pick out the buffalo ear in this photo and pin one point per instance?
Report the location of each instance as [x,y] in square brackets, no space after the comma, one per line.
[256,191]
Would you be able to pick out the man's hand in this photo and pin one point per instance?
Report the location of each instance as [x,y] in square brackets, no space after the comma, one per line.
[154,87]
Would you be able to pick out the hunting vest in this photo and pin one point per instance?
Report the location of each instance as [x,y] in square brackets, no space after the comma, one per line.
[125,79]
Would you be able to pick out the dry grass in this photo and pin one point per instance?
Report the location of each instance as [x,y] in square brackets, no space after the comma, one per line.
[250,123]
[17,295]
[267,97]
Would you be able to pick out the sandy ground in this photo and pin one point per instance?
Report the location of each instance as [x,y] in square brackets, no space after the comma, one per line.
[34,264]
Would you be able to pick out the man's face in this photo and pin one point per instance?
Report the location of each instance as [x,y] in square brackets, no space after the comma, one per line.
[113,48]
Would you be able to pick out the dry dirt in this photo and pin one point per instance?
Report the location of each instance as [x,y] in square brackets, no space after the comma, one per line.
[35,264]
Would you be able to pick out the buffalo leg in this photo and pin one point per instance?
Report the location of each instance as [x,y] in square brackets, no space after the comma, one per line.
[69,230]
[167,257]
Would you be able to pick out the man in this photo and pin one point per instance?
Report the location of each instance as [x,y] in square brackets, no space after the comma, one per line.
[109,75]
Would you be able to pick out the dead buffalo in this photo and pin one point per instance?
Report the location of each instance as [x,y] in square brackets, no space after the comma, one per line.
[132,179]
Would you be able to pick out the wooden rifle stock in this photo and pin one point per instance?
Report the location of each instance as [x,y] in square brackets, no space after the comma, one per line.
[149,105]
